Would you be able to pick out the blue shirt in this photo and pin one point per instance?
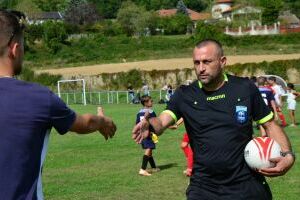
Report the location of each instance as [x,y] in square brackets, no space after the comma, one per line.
[27,114]
[140,116]
[267,95]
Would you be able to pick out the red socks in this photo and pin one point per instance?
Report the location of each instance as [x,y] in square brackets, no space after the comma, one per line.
[282,119]
[189,156]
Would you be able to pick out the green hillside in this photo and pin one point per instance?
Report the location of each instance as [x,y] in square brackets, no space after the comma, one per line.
[108,9]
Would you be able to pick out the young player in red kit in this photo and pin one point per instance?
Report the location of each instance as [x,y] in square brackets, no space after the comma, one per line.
[188,154]
[185,146]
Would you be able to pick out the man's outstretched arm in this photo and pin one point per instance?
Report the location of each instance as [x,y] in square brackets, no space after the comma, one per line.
[88,123]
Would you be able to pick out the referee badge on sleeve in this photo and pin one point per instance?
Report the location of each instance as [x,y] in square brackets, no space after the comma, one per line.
[241,114]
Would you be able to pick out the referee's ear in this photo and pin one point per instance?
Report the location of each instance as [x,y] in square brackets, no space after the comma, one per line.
[223,61]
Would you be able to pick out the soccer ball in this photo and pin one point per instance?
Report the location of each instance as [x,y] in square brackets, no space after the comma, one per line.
[258,152]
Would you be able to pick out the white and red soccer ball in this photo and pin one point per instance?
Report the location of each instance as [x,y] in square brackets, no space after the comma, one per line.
[259,150]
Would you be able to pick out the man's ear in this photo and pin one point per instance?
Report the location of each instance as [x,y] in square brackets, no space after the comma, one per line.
[13,50]
[223,61]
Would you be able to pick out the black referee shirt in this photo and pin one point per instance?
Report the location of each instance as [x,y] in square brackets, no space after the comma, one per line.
[219,125]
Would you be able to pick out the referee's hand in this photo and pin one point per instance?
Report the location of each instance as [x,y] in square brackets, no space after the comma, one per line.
[283,164]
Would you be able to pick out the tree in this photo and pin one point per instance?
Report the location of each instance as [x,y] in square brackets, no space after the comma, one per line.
[181,8]
[80,12]
[208,31]
[156,4]
[197,5]
[34,32]
[293,6]
[8,4]
[271,10]
[54,35]
[53,5]
[132,18]
[107,8]
[175,25]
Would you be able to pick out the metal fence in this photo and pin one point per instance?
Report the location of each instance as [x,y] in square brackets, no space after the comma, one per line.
[107,97]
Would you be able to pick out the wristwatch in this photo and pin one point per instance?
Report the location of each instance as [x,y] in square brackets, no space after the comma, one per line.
[284,153]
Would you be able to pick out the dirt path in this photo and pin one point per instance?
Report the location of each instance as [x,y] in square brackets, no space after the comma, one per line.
[162,64]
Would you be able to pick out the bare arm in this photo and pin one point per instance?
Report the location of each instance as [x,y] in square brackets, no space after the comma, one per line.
[159,124]
[283,164]
[297,94]
[178,123]
[273,104]
[88,123]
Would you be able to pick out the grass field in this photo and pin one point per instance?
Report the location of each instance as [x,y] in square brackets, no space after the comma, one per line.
[88,167]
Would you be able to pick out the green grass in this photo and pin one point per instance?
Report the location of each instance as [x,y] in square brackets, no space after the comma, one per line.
[88,167]
[100,50]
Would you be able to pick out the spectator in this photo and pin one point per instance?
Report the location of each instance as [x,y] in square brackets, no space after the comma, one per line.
[169,93]
[291,102]
[145,89]
[130,93]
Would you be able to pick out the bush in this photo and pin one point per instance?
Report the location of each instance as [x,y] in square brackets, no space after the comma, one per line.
[43,79]
[54,35]
[208,31]
[71,28]
[175,25]
[278,68]
[121,80]
[110,28]
[34,32]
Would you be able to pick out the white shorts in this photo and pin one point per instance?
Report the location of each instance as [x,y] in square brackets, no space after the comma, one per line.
[291,105]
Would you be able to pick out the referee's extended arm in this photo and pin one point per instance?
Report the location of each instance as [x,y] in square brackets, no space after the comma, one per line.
[159,124]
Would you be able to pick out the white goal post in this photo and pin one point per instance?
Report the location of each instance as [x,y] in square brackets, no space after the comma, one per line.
[74,80]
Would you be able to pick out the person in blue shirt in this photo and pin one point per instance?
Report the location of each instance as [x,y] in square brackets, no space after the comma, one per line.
[28,112]
[148,143]
[268,97]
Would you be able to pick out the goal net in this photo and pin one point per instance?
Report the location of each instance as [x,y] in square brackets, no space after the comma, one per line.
[72,91]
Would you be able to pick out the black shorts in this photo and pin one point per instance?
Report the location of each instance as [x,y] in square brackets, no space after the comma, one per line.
[254,189]
[148,143]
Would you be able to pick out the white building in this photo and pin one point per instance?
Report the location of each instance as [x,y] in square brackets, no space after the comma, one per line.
[39,18]
[220,7]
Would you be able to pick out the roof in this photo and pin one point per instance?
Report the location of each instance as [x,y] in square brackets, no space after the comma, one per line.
[45,16]
[194,16]
[224,1]
[167,13]
[289,18]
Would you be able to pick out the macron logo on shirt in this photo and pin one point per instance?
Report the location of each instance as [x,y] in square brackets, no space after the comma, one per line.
[221,96]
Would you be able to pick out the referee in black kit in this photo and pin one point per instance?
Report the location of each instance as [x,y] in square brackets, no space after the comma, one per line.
[218,111]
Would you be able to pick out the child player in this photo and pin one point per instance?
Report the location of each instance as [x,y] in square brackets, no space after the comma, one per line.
[148,144]
[291,102]
[187,150]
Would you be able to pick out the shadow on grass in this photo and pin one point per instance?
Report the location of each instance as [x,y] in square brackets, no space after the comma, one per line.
[167,166]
